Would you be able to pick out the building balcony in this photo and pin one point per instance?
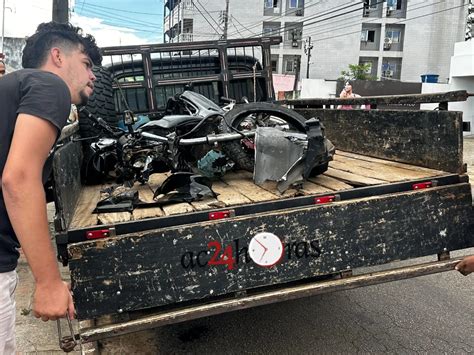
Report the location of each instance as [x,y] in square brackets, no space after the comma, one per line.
[185,37]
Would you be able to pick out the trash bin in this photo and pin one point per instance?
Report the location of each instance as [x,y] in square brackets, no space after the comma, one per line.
[429,78]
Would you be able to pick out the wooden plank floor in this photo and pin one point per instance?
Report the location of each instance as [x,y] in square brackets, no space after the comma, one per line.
[346,171]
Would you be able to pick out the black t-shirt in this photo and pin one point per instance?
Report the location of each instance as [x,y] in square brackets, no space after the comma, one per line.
[34,92]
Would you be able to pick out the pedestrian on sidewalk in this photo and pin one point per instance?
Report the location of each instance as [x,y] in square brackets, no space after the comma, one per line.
[347,93]
[34,106]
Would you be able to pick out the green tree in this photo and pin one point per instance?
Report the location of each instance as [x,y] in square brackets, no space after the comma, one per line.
[357,72]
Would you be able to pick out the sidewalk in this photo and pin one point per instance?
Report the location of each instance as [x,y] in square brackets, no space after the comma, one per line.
[34,336]
[37,337]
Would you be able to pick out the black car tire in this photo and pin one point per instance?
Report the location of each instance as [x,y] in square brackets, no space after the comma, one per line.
[100,104]
[243,158]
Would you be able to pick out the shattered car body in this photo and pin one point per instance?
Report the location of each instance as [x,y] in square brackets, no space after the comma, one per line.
[290,158]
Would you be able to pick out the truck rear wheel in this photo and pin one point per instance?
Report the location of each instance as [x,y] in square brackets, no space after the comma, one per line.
[100,104]
[249,117]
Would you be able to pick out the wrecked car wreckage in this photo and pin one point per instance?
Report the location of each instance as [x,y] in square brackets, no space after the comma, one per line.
[273,142]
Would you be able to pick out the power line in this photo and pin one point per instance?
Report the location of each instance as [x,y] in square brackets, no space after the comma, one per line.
[242,26]
[401,21]
[127,27]
[120,10]
[359,22]
[270,19]
[122,19]
[294,24]
[356,16]
[212,18]
[205,18]
[233,24]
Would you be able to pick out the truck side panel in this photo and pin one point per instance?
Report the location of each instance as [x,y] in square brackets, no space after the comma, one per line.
[168,266]
[431,139]
[67,177]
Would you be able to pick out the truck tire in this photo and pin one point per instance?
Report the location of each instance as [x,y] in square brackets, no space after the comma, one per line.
[243,156]
[100,104]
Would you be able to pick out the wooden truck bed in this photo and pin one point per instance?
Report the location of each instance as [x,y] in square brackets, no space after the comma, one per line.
[178,262]
[346,171]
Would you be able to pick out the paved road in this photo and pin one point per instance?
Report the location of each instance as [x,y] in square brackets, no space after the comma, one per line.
[431,314]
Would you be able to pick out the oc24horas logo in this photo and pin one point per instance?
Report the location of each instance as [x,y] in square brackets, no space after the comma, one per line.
[265,249]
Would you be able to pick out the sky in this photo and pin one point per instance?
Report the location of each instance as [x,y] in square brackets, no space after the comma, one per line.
[111,22]
[120,22]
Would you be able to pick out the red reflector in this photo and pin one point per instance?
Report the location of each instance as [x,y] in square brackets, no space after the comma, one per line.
[220,215]
[422,185]
[325,199]
[102,233]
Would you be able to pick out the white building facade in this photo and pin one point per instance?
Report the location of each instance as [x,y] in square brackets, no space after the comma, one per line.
[401,39]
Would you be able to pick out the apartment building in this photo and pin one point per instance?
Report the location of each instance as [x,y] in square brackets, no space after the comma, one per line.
[400,39]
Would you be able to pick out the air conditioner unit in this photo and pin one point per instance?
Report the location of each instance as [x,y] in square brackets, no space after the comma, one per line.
[387,43]
[389,10]
[366,12]
[294,44]
[388,73]
[299,12]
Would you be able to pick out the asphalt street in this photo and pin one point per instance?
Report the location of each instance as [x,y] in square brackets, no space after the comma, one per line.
[431,314]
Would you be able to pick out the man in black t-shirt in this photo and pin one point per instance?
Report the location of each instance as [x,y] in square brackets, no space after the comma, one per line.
[34,105]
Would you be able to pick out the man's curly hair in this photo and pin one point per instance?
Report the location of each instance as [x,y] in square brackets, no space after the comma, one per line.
[53,34]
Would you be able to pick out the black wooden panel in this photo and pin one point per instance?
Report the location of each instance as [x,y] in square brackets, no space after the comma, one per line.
[432,139]
[134,272]
[67,181]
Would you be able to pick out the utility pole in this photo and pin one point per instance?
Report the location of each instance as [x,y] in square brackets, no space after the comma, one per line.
[296,69]
[3,28]
[60,11]
[307,50]
[226,19]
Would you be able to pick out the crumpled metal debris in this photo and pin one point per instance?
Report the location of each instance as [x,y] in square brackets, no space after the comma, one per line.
[184,187]
[291,157]
[214,164]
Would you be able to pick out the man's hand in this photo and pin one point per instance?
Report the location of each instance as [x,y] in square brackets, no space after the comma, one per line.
[466,265]
[52,300]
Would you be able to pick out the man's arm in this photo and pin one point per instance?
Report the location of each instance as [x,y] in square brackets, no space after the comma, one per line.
[466,265]
[25,201]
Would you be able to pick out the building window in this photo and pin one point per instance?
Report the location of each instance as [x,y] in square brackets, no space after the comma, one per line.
[367,36]
[295,4]
[290,66]
[394,35]
[293,34]
[274,65]
[373,4]
[269,4]
[394,4]
[271,29]
[369,66]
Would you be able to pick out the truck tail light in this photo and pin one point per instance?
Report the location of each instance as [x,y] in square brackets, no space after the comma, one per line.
[98,234]
[422,185]
[325,199]
[221,214]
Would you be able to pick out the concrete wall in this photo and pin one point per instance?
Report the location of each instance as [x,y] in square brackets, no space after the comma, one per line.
[429,41]
[462,78]
[317,88]
[430,88]
[13,48]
